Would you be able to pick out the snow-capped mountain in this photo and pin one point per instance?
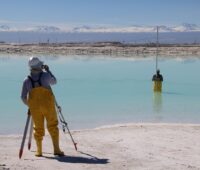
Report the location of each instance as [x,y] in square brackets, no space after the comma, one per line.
[131,29]
[164,28]
[102,29]
[4,28]
[185,27]
[136,28]
[45,29]
[87,29]
[83,28]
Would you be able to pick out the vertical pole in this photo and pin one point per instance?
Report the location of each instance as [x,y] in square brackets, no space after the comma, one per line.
[24,135]
[30,135]
[157,42]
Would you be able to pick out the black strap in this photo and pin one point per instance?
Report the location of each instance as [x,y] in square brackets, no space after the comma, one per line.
[36,81]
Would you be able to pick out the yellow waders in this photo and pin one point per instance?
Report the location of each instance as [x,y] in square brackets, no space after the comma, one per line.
[42,106]
[157,86]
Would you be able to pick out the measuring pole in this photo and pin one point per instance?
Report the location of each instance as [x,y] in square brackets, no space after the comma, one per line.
[157,42]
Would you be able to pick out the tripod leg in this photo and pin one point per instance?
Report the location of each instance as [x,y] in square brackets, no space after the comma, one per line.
[24,135]
[66,125]
[30,135]
[62,120]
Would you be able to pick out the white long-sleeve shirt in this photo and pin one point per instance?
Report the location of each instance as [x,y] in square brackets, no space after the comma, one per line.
[47,79]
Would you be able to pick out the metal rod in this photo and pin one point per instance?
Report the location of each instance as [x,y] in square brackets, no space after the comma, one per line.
[157,43]
[30,135]
[24,135]
[62,120]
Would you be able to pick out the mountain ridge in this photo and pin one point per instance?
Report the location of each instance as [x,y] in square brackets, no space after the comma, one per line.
[185,27]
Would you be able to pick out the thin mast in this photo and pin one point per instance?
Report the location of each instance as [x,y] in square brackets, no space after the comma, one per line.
[157,42]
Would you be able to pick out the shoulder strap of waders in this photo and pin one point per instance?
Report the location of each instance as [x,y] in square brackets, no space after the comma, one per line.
[35,81]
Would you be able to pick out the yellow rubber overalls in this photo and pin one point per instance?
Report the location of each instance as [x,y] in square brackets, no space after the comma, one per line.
[41,103]
[157,86]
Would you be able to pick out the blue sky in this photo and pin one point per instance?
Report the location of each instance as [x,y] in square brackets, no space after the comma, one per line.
[102,12]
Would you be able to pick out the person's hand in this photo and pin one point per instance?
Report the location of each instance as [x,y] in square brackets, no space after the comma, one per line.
[59,108]
[46,67]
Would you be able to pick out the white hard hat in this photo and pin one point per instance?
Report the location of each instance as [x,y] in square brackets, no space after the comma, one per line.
[35,62]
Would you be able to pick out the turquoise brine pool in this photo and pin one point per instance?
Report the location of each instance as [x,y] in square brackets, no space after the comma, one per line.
[95,91]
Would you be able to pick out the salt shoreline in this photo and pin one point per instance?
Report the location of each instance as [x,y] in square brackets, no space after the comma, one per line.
[110,49]
[125,147]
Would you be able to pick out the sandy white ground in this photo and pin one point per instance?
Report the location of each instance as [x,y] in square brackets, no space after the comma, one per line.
[120,147]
